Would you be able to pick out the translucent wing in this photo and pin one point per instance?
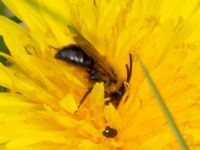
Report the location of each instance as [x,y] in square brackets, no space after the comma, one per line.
[91,51]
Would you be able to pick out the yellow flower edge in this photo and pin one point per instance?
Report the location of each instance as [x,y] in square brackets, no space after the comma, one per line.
[40,109]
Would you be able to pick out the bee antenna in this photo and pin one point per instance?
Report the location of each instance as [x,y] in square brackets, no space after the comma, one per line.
[128,73]
[129,69]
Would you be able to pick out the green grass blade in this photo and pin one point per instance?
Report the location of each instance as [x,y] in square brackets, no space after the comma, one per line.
[164,108]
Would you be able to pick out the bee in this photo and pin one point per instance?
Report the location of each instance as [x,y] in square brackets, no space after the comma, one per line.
[97,70]
[84,54]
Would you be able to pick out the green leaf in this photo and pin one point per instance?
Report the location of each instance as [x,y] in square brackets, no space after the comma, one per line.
[164,107]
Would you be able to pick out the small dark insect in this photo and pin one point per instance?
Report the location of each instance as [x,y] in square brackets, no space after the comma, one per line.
[109,132]
[77,56]
[84,54]
[100,70]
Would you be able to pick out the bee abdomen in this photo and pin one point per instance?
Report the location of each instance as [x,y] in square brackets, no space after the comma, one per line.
[74,54]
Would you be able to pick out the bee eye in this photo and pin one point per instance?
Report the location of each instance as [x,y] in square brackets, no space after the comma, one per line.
[109,132]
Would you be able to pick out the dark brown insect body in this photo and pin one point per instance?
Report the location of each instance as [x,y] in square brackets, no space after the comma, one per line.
[75,55]
[109,132]
[85,55]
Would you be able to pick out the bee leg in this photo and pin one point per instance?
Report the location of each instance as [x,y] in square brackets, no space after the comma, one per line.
[84,97]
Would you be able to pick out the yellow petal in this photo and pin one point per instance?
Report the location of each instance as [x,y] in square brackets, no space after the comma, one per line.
[112,116]
[69,104]
[14,103]
[16,38]
[88,145]
[38,137]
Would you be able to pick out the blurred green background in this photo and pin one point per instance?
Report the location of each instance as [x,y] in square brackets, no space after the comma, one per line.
[5,12]
[2,45]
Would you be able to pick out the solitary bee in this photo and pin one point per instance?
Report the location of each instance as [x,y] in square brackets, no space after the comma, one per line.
[97,69]
[84,54]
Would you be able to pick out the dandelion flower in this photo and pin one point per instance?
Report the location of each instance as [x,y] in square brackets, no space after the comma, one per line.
[40,108]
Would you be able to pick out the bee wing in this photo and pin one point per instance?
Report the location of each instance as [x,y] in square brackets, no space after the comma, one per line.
[91,51]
